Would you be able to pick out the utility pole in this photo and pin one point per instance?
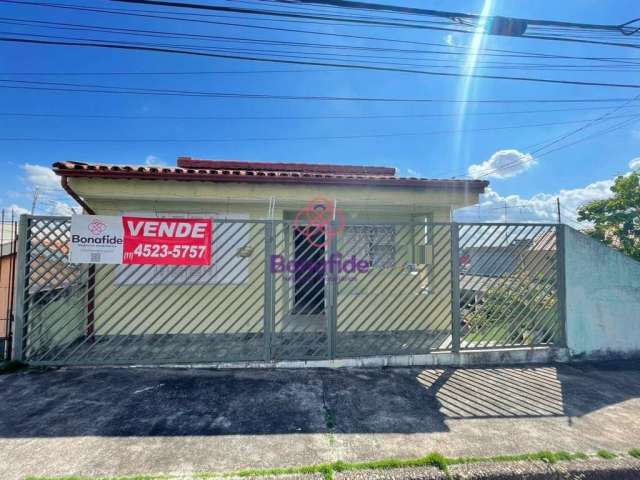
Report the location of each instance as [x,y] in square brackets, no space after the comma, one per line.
[36,194]
[558,207]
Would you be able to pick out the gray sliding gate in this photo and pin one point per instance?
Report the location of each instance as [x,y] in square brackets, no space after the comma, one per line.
[281,291]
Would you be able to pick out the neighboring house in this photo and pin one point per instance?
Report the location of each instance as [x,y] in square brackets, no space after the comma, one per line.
[7,269]
[366,197]
[533,254]
[484,268]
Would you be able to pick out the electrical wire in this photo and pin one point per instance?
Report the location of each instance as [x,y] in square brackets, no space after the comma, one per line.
[208,7]
[317,63]
[289,117]
[163,34]
[303,138]
[174,92]
[154,14]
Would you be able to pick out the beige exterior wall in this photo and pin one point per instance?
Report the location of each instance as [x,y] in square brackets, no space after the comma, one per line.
[384,299]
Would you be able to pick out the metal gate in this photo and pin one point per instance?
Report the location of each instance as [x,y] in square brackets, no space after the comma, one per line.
[277,290]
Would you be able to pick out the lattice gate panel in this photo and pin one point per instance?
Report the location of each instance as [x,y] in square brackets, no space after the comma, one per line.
[113,314]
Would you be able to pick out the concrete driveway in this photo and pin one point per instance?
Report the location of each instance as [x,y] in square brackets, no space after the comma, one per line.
[134,420]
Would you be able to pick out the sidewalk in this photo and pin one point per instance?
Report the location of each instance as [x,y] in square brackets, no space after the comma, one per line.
[146,421]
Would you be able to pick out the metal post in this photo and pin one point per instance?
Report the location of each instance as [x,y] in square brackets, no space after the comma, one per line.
[455,287]
[21,293]
[561,286]
[332,297]
[269,307]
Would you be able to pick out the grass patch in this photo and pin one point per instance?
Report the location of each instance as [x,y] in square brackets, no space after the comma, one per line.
[329,418]
[606,454]
[327,470]
[134,477]
[11,366]
[542,456]
[635,452]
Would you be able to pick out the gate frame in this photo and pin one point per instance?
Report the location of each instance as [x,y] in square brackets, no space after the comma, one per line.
[20,294]
[23,265]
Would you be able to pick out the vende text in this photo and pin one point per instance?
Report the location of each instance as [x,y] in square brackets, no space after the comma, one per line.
[167,241]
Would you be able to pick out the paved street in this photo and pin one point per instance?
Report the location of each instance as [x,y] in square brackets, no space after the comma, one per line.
[125,421]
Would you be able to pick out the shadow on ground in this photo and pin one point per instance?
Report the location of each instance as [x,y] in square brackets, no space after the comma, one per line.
[170,402]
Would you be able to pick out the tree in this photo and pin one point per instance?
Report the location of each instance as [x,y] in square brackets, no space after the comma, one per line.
[616,220]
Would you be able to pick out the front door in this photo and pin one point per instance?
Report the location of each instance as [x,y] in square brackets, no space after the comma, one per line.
[308,282]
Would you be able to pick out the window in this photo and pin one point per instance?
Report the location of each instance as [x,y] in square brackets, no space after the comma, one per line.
[374,243]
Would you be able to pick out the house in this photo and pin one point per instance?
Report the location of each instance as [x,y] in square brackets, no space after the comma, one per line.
[246,189]
[371,218]
[7,269]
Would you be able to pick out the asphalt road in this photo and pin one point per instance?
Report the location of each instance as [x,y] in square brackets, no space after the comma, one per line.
[123,421]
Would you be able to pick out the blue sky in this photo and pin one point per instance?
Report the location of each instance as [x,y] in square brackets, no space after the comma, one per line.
[437,148]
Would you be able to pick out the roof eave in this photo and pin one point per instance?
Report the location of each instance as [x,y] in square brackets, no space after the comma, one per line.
[475,186]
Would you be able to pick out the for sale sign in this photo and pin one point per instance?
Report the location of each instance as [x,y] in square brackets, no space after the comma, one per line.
[140,240]
[167,241]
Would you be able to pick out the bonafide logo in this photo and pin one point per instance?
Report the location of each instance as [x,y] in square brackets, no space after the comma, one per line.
[97,227]
[320,215]
[319,222]
[335,264]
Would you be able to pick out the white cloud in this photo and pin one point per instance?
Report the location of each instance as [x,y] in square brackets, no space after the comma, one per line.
[41,177]
[64,209]
[413,173]
[540,207]
[152,160]
[503,164]
[451,40]
[51,198]
[16,209]
[634,164]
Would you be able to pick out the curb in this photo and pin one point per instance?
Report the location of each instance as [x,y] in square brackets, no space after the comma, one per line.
[619,469]
[594,469]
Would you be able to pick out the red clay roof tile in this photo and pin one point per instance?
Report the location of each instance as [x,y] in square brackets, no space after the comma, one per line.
[251,172]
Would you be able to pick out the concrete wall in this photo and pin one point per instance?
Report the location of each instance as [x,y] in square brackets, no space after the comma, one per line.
[603,299]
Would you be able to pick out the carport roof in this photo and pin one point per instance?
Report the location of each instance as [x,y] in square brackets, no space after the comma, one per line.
[189,169]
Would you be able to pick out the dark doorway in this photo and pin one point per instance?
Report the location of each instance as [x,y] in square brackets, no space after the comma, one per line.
[308,281]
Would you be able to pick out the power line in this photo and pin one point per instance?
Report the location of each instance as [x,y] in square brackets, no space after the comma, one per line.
[154,14]
[590,123]
[162,34]
[316,63]
[276,13]
[174,92]
[288,117]
[337,56]
[455,16]
[562,147]
[302,138]
[199,6]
